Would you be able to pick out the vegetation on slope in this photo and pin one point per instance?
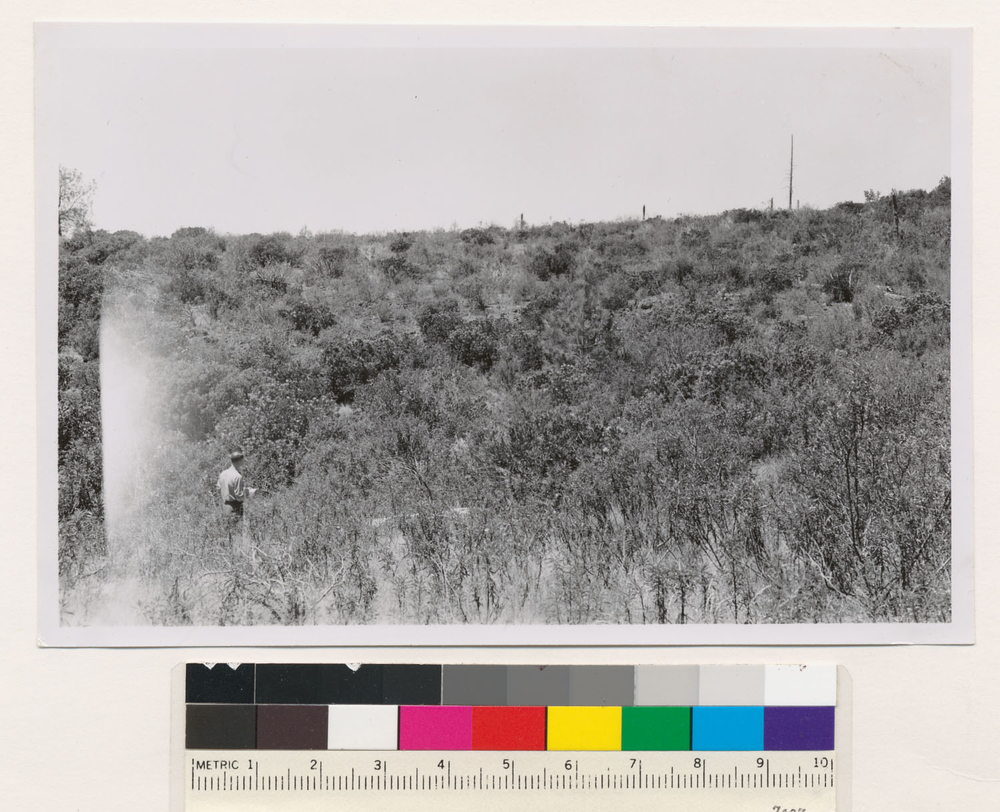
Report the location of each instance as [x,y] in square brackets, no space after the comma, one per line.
[736,418]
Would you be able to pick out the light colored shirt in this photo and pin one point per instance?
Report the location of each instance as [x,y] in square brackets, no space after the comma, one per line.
[231,486]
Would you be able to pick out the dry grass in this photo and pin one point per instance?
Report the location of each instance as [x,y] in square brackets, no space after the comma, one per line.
[287,567]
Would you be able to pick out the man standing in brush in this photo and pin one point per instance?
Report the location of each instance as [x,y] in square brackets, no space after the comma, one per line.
[233,489]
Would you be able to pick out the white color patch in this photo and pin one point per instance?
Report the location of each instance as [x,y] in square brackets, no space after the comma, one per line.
[800,685]
[363,727]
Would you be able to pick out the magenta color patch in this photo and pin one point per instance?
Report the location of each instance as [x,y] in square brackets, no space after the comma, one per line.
[435,727]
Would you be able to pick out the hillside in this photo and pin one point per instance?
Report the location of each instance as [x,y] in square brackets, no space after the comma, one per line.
[736,418]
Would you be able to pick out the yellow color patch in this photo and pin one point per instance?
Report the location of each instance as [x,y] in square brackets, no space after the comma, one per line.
[586,728]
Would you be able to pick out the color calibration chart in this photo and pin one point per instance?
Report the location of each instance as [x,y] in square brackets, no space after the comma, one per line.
[302,737]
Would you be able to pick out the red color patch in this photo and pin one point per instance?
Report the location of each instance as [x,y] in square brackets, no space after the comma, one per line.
[496,728]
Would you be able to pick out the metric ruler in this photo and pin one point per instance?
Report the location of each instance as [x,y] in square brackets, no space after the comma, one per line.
[306,756]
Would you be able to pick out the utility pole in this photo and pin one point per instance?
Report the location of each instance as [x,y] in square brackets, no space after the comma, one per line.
[791,171]
[643,211]
[772,204]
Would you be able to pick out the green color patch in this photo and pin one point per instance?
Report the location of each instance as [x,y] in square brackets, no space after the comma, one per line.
[656,728]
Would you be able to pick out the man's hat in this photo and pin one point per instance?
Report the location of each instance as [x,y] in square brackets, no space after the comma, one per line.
[236,456]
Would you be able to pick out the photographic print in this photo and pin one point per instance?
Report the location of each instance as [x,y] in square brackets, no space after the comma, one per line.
[452,336]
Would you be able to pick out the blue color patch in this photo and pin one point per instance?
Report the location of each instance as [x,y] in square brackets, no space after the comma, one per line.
[727,728]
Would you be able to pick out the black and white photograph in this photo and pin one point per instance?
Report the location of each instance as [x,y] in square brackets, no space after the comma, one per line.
[519,336]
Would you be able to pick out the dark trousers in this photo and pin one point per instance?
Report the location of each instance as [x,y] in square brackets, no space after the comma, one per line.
[232,510]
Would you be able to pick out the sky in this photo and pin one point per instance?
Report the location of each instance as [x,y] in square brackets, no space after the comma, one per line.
[388,139]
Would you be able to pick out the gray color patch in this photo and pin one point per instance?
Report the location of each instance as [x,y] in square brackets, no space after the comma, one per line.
[474,685]
[608,685]
[538,685]
[666,685]
[731,685]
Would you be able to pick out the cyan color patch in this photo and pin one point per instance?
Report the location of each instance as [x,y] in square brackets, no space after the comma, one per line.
[727,728]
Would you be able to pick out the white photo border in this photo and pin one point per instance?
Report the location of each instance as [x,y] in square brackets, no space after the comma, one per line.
[52,38]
